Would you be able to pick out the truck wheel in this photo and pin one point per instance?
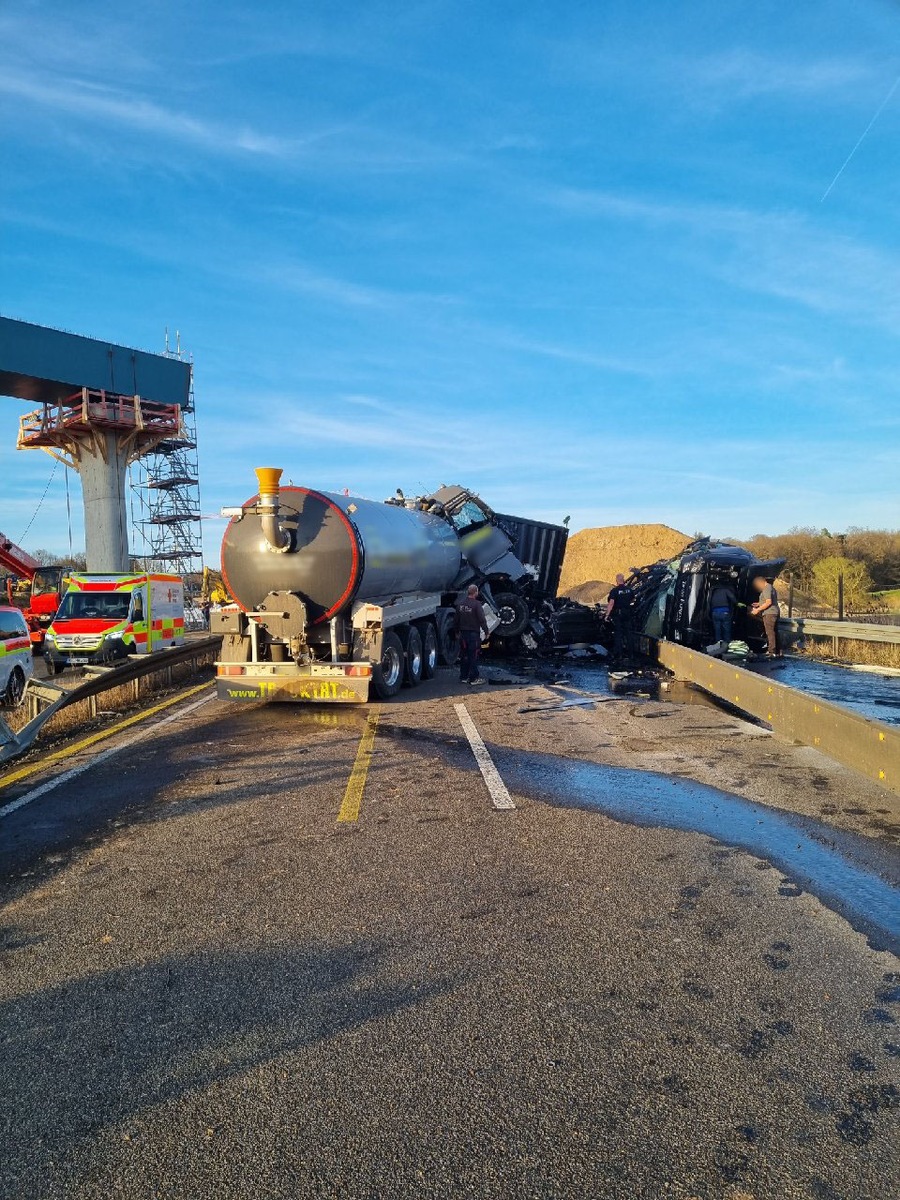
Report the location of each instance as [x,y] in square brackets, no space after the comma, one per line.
[429,649]
[15,689]
[447,638]
[413,657]
[54,668]
[387,675]
[513,613]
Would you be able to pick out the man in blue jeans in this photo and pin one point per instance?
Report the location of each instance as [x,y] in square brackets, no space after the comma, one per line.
[722,603]
[472,624]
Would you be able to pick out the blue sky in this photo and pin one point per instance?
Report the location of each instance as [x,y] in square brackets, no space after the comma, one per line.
[575,255]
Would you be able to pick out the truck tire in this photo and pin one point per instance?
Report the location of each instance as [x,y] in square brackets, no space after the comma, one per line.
[413,675]
[429,649]
[514,614]
[447,638]
[387,675]
[15,688]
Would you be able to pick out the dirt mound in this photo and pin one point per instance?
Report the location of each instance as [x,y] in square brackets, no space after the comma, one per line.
[597,554]
[592,591]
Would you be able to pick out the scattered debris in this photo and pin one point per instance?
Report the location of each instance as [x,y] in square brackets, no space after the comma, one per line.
[588,701]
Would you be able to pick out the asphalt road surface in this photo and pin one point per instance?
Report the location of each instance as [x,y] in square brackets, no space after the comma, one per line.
[212,987]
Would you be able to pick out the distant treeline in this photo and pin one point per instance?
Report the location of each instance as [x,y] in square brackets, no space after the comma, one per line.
[877,549]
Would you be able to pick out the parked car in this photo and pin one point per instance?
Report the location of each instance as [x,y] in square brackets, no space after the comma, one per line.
[16,662]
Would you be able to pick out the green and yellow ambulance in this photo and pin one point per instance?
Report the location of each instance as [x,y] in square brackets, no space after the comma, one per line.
[102,618]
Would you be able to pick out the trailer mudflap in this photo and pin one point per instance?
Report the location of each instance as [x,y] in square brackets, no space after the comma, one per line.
[321,683]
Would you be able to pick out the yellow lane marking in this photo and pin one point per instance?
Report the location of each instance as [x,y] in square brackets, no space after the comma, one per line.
[356,783]
[77,747]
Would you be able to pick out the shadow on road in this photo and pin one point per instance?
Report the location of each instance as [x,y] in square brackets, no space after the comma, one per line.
[101,1050]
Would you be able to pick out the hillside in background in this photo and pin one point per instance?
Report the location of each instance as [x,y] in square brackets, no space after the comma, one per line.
[595,556]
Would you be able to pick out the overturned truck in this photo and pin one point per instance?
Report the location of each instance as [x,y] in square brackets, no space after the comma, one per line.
[337,595]
[672,597]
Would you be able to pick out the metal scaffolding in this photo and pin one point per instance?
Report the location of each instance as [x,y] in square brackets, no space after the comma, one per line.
[165,498]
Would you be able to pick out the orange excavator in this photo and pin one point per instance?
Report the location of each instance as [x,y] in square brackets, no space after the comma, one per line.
[44,587]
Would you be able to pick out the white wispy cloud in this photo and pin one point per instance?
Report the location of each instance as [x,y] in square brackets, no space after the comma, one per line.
[742,73]
[581,356]
[783,254]
[111,106]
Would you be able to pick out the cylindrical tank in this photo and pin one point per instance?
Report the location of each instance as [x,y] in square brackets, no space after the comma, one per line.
[341,549]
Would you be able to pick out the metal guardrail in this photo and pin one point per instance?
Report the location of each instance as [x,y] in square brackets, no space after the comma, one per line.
[869,747]
[56,697]
[195,621]
[857,631]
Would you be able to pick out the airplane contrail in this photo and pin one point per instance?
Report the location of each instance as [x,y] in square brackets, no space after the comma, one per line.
[862,138]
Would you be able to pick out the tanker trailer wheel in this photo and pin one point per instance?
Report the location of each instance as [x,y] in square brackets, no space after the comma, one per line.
[413,674]
[513,613]
[447,637]
[429,649]
[387,675]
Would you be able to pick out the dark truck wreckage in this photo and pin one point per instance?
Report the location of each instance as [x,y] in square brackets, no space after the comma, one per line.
[337,595]
[672,597]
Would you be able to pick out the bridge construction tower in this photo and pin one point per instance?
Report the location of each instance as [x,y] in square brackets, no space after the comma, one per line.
[165,490]
[103,406]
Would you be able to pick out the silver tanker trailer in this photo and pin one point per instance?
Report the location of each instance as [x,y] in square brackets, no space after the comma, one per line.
[336,594]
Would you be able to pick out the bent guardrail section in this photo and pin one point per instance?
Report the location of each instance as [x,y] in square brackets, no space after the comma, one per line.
[56,697]
[866,746]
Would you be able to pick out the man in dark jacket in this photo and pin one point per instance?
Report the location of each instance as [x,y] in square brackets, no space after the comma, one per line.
[620,610]
[722,603]
[472,624]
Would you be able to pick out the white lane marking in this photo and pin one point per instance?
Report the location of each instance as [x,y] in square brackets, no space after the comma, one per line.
[500,797]
[99,758]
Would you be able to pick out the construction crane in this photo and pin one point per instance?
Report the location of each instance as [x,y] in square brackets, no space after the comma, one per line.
[44,587]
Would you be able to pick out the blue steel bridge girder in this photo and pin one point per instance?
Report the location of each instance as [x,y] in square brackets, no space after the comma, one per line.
[45,366]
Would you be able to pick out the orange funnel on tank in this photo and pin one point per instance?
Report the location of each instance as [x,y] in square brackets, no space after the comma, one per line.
[277,539]
[269,479]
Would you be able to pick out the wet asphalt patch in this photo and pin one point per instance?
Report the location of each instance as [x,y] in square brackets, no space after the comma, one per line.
[848,872]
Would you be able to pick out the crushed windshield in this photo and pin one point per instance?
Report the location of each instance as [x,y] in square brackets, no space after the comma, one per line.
[107,606]
[469,514]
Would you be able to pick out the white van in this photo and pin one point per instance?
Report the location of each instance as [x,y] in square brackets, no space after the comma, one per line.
[16,663]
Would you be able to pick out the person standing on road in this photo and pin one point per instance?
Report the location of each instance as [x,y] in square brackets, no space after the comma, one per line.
[620,610]
[766,608]
[472,625]
[722,604]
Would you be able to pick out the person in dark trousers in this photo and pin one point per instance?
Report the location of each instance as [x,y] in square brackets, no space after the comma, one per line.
[766,608]
[619,610]
[722,604]
[472,625]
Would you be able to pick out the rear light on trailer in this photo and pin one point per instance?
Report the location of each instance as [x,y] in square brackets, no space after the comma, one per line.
[230,669]
[358,672]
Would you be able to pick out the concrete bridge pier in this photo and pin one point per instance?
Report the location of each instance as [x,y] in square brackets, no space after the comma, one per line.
[103,490]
